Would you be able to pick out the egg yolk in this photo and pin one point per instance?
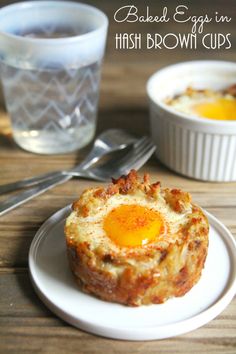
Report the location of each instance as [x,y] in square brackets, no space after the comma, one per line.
[133,225]
[221,109]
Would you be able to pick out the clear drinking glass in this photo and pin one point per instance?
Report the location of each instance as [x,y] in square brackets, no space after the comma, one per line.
[50,61]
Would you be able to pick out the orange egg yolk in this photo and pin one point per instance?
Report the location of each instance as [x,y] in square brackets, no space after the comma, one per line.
[221,109]
[133,225]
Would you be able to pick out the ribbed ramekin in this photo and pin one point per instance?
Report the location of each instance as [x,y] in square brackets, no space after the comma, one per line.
[200,148]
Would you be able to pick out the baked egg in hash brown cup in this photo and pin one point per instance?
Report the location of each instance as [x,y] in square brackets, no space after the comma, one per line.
[136,243]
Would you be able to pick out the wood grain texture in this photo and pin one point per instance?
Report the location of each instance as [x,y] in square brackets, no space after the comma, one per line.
[26,325]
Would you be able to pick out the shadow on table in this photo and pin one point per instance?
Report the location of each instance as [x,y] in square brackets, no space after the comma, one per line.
[134,120]
[6,141]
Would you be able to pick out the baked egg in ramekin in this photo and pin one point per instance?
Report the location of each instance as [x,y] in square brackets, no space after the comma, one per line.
[193,118]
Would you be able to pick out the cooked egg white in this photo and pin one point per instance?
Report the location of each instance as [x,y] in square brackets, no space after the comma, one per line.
[128,221]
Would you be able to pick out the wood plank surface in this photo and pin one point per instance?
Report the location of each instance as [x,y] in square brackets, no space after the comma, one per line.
[26,325]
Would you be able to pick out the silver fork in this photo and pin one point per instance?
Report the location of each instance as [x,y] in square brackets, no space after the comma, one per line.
[109,141]
[134,159]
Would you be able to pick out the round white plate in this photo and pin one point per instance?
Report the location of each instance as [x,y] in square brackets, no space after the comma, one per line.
[55,285]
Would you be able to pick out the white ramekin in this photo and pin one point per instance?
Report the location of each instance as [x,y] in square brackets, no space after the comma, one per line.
[201,148]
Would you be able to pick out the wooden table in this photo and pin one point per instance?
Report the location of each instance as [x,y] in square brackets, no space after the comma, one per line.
[26,325]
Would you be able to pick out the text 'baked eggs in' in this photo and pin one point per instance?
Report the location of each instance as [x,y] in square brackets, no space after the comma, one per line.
[135,243]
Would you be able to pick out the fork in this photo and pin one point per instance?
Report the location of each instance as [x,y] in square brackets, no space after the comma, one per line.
[134,159]
[110,141]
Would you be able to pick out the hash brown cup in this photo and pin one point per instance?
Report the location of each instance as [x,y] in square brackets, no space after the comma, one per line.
[166,267]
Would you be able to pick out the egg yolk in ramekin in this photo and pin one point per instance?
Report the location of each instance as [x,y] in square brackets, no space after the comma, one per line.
[133,225]
[221,109]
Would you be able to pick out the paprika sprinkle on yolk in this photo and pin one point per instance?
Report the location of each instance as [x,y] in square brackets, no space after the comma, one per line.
[132,225]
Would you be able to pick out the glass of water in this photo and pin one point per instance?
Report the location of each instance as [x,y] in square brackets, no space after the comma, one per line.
[50,61]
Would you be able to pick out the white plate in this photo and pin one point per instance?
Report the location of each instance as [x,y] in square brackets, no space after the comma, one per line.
[55,285]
